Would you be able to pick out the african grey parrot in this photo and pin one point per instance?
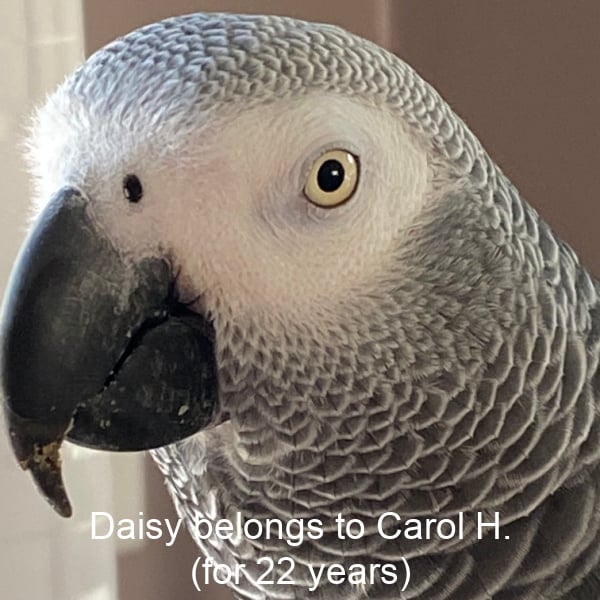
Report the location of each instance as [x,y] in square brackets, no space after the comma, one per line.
[270,251]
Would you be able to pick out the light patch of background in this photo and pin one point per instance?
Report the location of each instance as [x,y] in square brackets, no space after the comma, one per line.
[40,41]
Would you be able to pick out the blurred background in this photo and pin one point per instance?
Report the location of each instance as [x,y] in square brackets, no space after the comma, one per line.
[523,74]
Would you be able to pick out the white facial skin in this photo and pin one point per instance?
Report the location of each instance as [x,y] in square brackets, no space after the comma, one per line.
[228,205]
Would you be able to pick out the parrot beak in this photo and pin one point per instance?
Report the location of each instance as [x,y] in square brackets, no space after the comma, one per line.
[95,348]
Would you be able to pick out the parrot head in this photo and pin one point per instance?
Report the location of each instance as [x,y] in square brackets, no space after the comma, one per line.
[224,201]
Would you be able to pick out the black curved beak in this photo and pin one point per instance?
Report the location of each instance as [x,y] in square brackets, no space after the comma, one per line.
[96,348]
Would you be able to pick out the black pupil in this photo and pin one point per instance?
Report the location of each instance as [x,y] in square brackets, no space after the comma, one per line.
[132,188]
[330,176]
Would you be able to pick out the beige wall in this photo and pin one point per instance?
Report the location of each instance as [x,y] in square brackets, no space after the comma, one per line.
[41,555]
[104,20]
[525,76]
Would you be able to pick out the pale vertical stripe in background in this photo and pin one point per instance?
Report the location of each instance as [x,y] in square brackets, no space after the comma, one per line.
[40,42]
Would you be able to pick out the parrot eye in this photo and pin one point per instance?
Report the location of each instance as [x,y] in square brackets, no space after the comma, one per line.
[132,188]
[333,179]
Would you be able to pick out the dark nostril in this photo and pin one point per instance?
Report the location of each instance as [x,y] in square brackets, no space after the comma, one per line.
[132,188]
